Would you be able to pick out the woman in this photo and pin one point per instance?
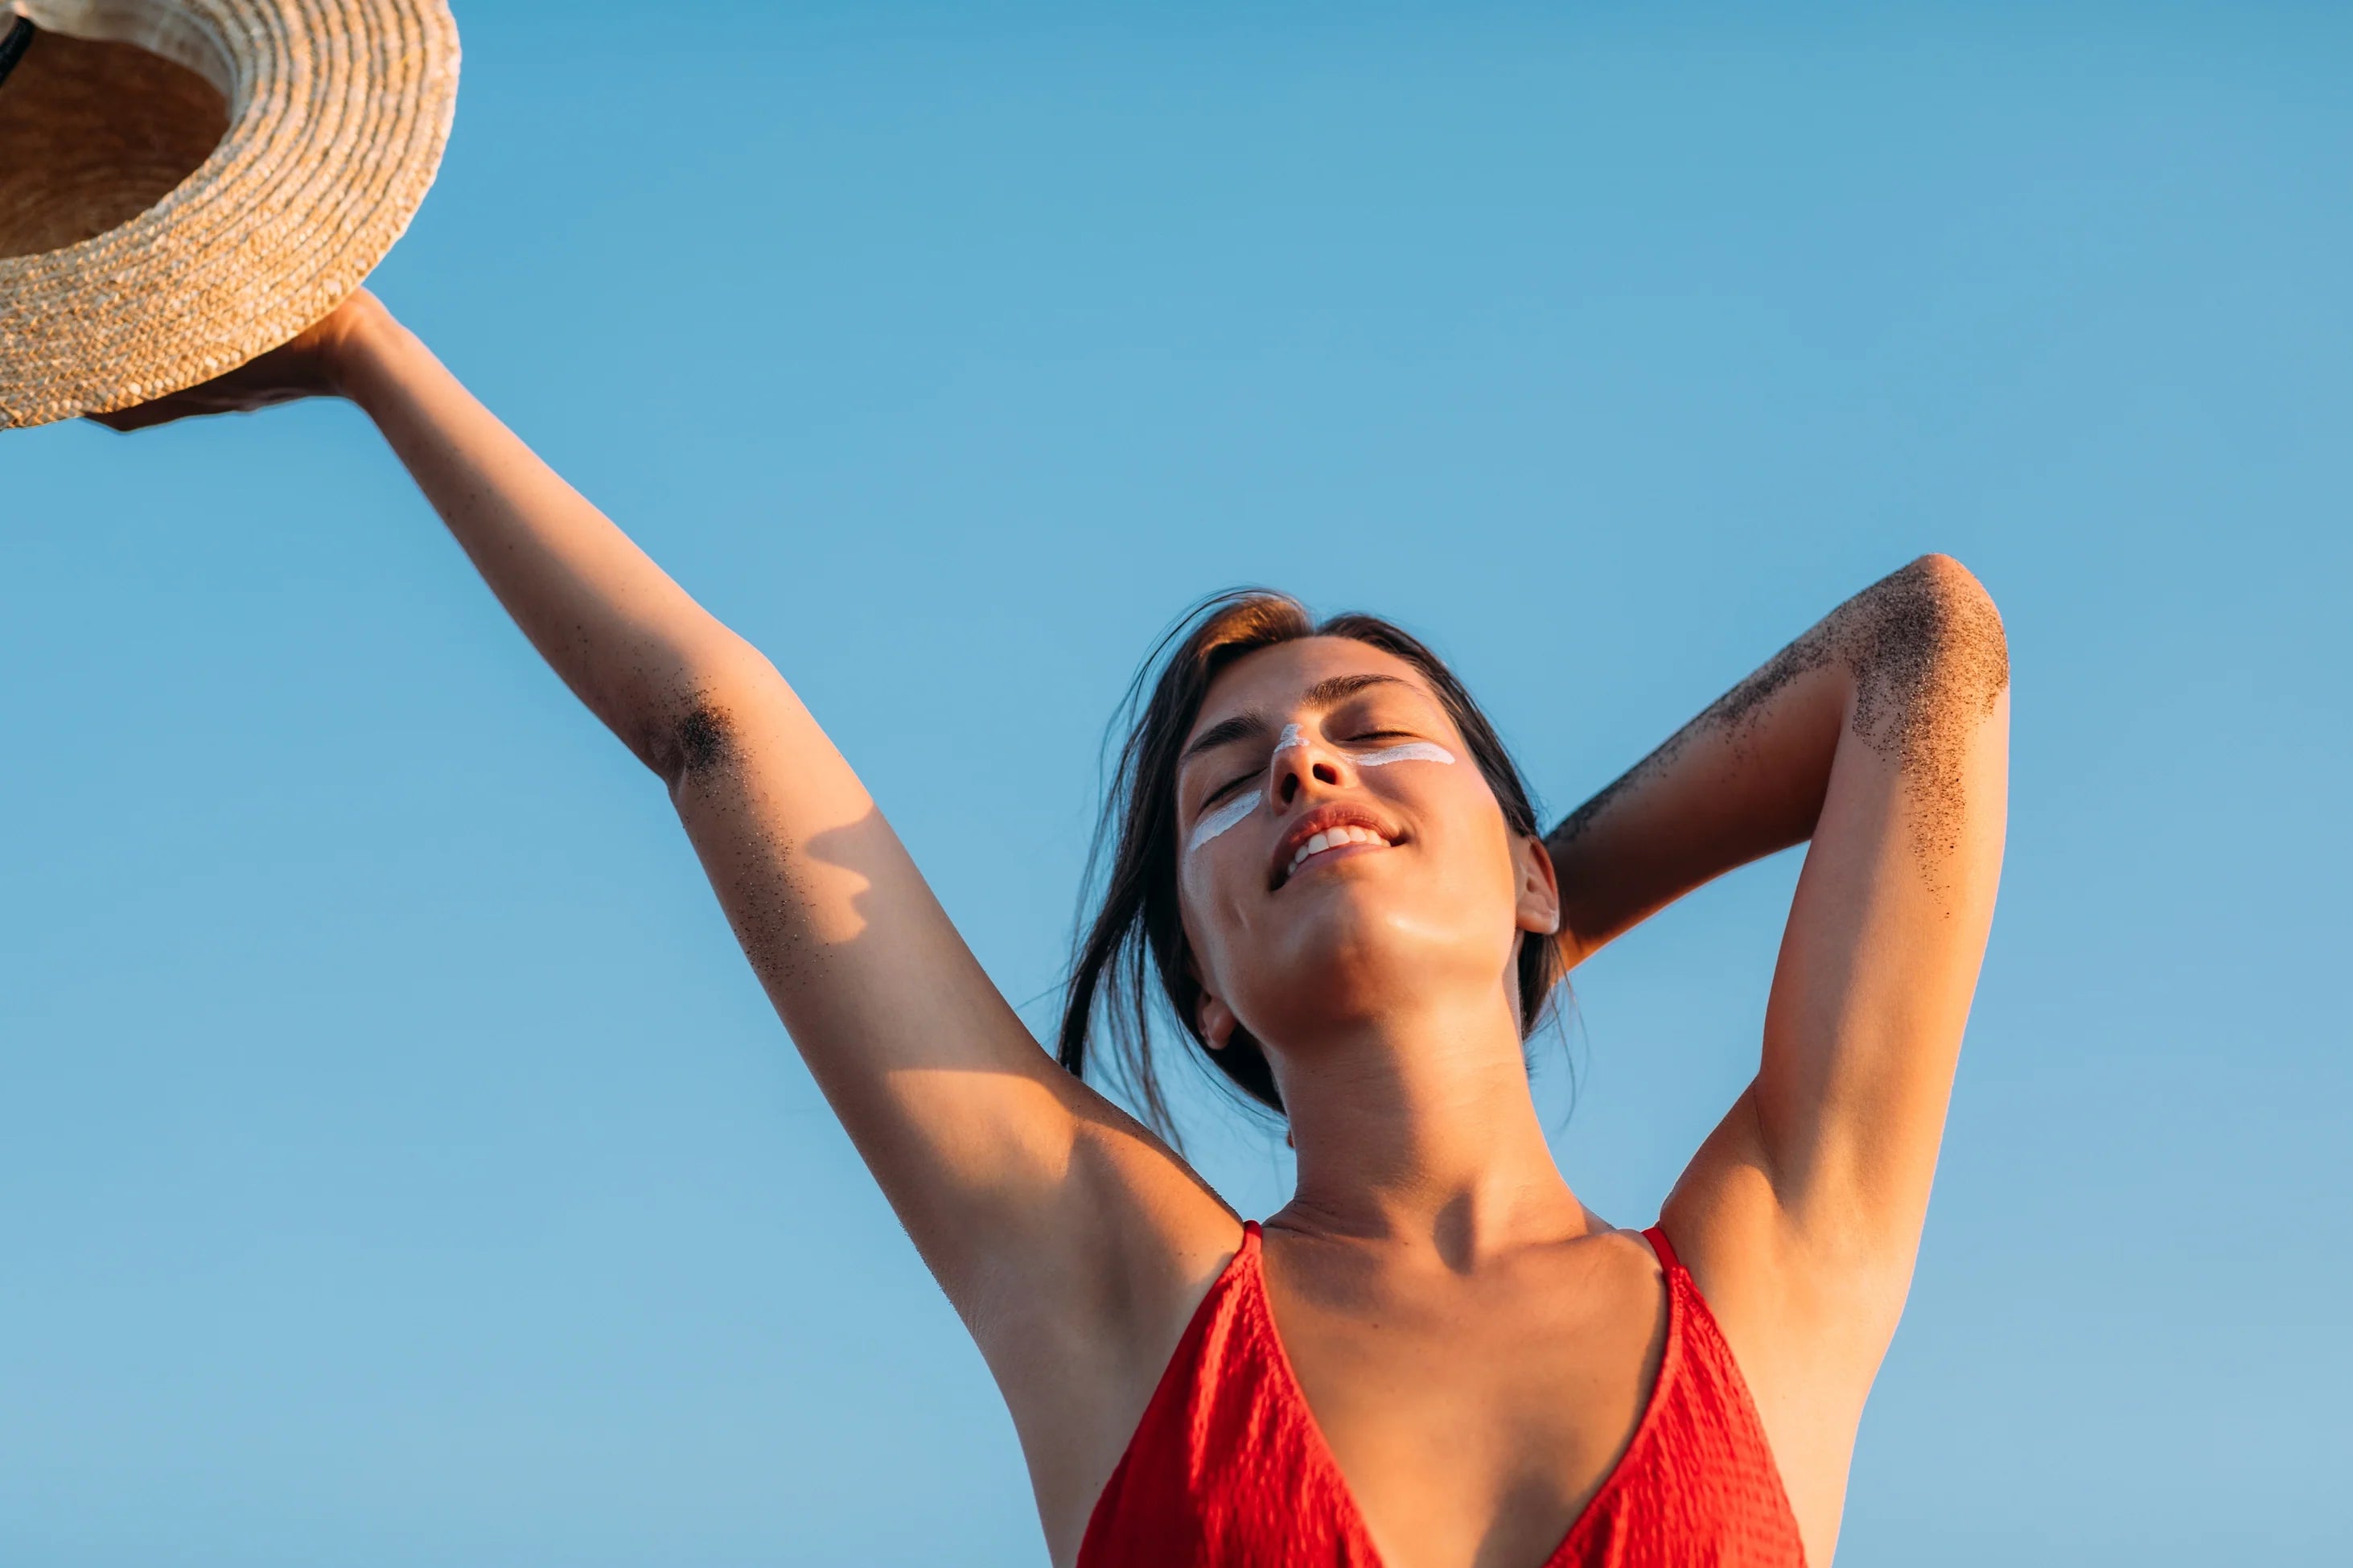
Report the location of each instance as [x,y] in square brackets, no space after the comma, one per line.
[1434,1355]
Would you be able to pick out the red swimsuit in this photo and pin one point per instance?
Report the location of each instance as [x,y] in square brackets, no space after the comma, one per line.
[1227,1466]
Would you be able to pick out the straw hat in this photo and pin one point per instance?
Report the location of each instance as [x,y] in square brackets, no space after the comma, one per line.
[187,184]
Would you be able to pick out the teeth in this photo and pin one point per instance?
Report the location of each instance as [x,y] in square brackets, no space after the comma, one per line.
[1332,838]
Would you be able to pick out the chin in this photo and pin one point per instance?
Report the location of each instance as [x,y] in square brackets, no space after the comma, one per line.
[1359,953]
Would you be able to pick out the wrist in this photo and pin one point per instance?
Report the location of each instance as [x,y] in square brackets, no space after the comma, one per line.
[352,343]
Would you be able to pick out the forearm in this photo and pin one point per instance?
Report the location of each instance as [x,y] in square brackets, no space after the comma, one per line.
[1738,782]
[1748,775]
[631,643]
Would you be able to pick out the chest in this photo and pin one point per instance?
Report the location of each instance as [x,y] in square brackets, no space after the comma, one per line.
[1473,1417]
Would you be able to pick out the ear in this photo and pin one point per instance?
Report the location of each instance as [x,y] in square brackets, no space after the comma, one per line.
[1215,1020]
[1539,891]
[1211,1016]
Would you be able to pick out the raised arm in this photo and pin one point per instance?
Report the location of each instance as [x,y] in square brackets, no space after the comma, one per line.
[1882,736]
[1056,1225]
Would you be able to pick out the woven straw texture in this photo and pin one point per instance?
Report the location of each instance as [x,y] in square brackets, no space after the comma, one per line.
[335,113]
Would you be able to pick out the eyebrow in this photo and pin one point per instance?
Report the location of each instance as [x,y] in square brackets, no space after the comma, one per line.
[1324,693]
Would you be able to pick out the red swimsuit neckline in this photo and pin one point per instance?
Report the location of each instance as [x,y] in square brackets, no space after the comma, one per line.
[1228,1463]
[1251,1256]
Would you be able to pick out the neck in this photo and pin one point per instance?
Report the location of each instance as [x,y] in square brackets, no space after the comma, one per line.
[1424,1132]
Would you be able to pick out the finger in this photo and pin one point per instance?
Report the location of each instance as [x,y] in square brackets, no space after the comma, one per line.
[186,405]
[135,418]
[212,398]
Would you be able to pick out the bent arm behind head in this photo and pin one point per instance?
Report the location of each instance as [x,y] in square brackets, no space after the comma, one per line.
[1880,735]
[1902,670]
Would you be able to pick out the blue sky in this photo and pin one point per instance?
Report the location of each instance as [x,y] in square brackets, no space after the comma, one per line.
[399,1163]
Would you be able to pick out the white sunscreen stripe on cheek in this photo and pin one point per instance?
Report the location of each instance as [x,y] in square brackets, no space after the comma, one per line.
[1214,822]
[1231,814]
[1411,752]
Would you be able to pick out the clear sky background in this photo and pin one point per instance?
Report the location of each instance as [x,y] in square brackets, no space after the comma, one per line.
[399,1164]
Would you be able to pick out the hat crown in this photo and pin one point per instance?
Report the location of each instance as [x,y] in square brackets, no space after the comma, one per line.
[98,130]
[208,178]
[188,32]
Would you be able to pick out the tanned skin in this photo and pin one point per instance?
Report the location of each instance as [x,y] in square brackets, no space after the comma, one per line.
[1475,1344]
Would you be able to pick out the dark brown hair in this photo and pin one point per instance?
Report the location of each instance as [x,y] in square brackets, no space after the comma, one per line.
[1136,932]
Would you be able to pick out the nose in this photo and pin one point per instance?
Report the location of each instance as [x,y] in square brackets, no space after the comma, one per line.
[1300,764]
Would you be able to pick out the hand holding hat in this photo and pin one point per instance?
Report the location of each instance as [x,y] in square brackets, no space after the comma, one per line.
[308,366]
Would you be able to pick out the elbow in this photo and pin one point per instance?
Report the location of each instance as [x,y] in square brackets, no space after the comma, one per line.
[1947,581]
[1954,632]
[1956,612]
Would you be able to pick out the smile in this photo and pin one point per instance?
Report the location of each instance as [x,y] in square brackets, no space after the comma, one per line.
[1330,840]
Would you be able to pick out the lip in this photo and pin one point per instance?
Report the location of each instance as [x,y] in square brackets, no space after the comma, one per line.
[1331,814]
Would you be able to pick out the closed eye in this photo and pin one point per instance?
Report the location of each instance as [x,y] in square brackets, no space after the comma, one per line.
[1227,788]
[1222,790]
